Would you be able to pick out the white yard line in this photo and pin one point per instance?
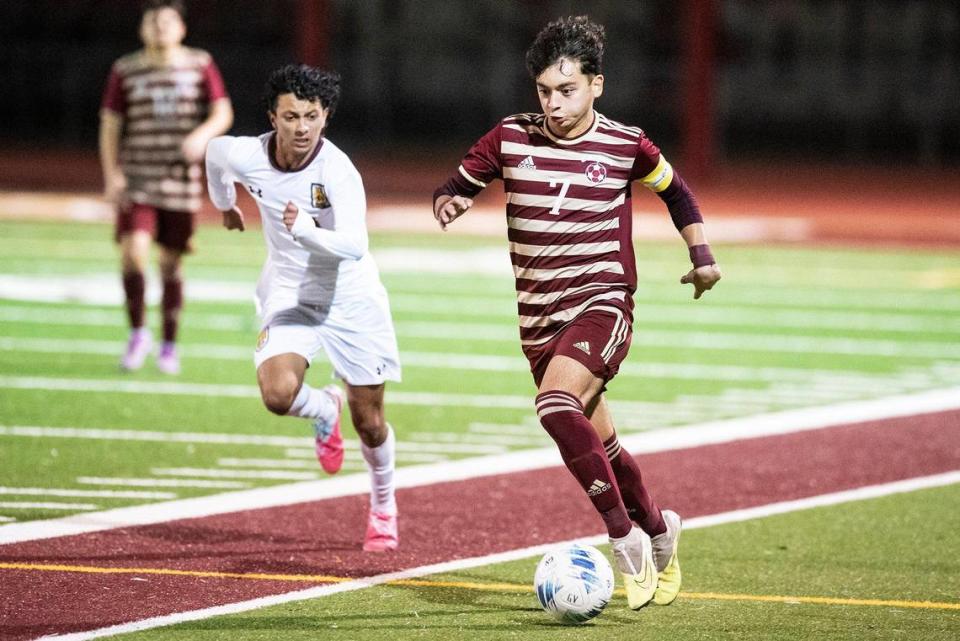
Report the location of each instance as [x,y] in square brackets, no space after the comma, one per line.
[483,362]
[65,492]
[46,505]
[137,482]
[735,516]
[414,476]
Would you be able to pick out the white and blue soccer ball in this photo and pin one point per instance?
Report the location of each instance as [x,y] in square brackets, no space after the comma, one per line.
[574,583]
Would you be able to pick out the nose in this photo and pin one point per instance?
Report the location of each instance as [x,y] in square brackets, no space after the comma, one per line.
[552,102]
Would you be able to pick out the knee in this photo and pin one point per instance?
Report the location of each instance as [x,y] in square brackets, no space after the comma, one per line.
[278,398]
[372,429]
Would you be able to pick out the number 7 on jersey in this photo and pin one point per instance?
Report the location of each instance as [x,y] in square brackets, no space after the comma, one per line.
[564,186]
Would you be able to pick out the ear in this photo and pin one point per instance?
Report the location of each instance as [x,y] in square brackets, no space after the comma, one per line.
[273,119]
[596,85]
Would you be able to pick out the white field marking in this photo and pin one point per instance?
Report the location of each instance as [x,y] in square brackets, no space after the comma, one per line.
[421,457]
[524,429]
[277,475]
[105,289]
[107,494]
[504,440]
[713,432]
[722,518]
[286,464]
[747,341]
[204,438]
[482,362]
[48,505]
[718,314]
[393,397]
[7,519]
[187,483]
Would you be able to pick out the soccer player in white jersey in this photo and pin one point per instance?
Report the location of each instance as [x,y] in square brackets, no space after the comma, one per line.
[567,174]
[319,288]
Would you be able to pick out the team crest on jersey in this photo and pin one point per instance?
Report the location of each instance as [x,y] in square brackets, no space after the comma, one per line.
[318,196]
[596,173]
[263,338]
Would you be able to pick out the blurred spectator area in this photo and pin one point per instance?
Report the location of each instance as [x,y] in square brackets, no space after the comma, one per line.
[820,80]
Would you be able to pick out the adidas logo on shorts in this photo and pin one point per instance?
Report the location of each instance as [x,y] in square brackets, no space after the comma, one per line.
[583,346]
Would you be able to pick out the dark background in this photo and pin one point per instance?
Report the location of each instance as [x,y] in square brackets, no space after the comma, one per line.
[846,81]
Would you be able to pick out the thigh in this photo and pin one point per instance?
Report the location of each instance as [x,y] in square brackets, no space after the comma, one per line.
[281,375]
[599,340]
[135,217]
[175,229]
[277,338]
[360,342]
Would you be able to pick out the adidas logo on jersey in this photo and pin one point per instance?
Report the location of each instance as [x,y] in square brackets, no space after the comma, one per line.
[598,487]
[583,346]
[527,163]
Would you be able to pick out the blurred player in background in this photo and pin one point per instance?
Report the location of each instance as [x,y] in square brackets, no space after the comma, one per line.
[319,288]
[161,106]
[567,174]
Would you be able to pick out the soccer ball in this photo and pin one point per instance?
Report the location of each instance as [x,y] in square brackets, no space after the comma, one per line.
[574,583]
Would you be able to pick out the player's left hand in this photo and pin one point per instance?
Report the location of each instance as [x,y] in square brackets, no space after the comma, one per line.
[290,215]
[193,147]
[702,279]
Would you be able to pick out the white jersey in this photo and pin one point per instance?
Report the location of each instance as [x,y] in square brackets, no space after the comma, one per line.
[329,189]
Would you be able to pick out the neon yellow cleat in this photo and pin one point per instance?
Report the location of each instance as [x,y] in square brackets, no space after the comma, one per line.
[633,555]
[665,548]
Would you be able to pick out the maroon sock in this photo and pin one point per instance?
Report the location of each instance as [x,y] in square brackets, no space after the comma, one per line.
[133,286]
[172,302]
[561,415]
[640,505]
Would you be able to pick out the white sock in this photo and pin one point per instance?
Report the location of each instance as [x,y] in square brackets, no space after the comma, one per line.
[313,403]
[380,462]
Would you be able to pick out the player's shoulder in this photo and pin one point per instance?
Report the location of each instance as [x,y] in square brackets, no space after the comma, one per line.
[131,63]
[335,160]
[523,120]
[612,127]
[197,57]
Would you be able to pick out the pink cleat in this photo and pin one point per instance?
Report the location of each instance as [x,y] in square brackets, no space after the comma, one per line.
[381,533]
[168,361]
[329,440]
[138,347]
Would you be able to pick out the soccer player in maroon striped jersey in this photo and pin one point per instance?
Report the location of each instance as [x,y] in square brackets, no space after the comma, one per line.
[161,106]
[567,174]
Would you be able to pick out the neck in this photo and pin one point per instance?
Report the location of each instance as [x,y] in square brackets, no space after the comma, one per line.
[164,55]
[291,160]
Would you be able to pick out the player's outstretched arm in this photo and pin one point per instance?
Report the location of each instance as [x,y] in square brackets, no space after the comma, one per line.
[705,272]
[447,209]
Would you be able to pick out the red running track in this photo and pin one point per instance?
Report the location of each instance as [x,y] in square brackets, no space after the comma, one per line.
[439,523]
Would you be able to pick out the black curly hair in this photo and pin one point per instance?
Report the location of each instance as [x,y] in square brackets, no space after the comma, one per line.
[574,37]
[155,5]
[306,83]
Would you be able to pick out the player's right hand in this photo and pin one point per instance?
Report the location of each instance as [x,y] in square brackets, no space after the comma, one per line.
[447,209]
[233,219]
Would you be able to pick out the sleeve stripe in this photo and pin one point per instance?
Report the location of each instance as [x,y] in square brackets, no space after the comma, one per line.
[463,172]
[660,178]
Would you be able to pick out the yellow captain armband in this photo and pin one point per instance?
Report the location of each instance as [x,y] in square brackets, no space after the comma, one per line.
[660,178]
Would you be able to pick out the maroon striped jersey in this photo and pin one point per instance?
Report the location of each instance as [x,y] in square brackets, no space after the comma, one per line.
[569,213]
[160,105]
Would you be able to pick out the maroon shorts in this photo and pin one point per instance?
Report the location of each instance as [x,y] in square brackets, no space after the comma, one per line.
[599,339]
[171,229]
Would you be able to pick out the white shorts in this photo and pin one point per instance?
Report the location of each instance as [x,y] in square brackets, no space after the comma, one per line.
[357,337]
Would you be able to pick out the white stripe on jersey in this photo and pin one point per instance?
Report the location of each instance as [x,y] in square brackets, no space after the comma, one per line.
[478,183]
[567,314]
[576,204]
[520,149]
[530,273]
[575,249]
[164,77]
[531,298]
[560,227]
[611,124]
[574,178]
